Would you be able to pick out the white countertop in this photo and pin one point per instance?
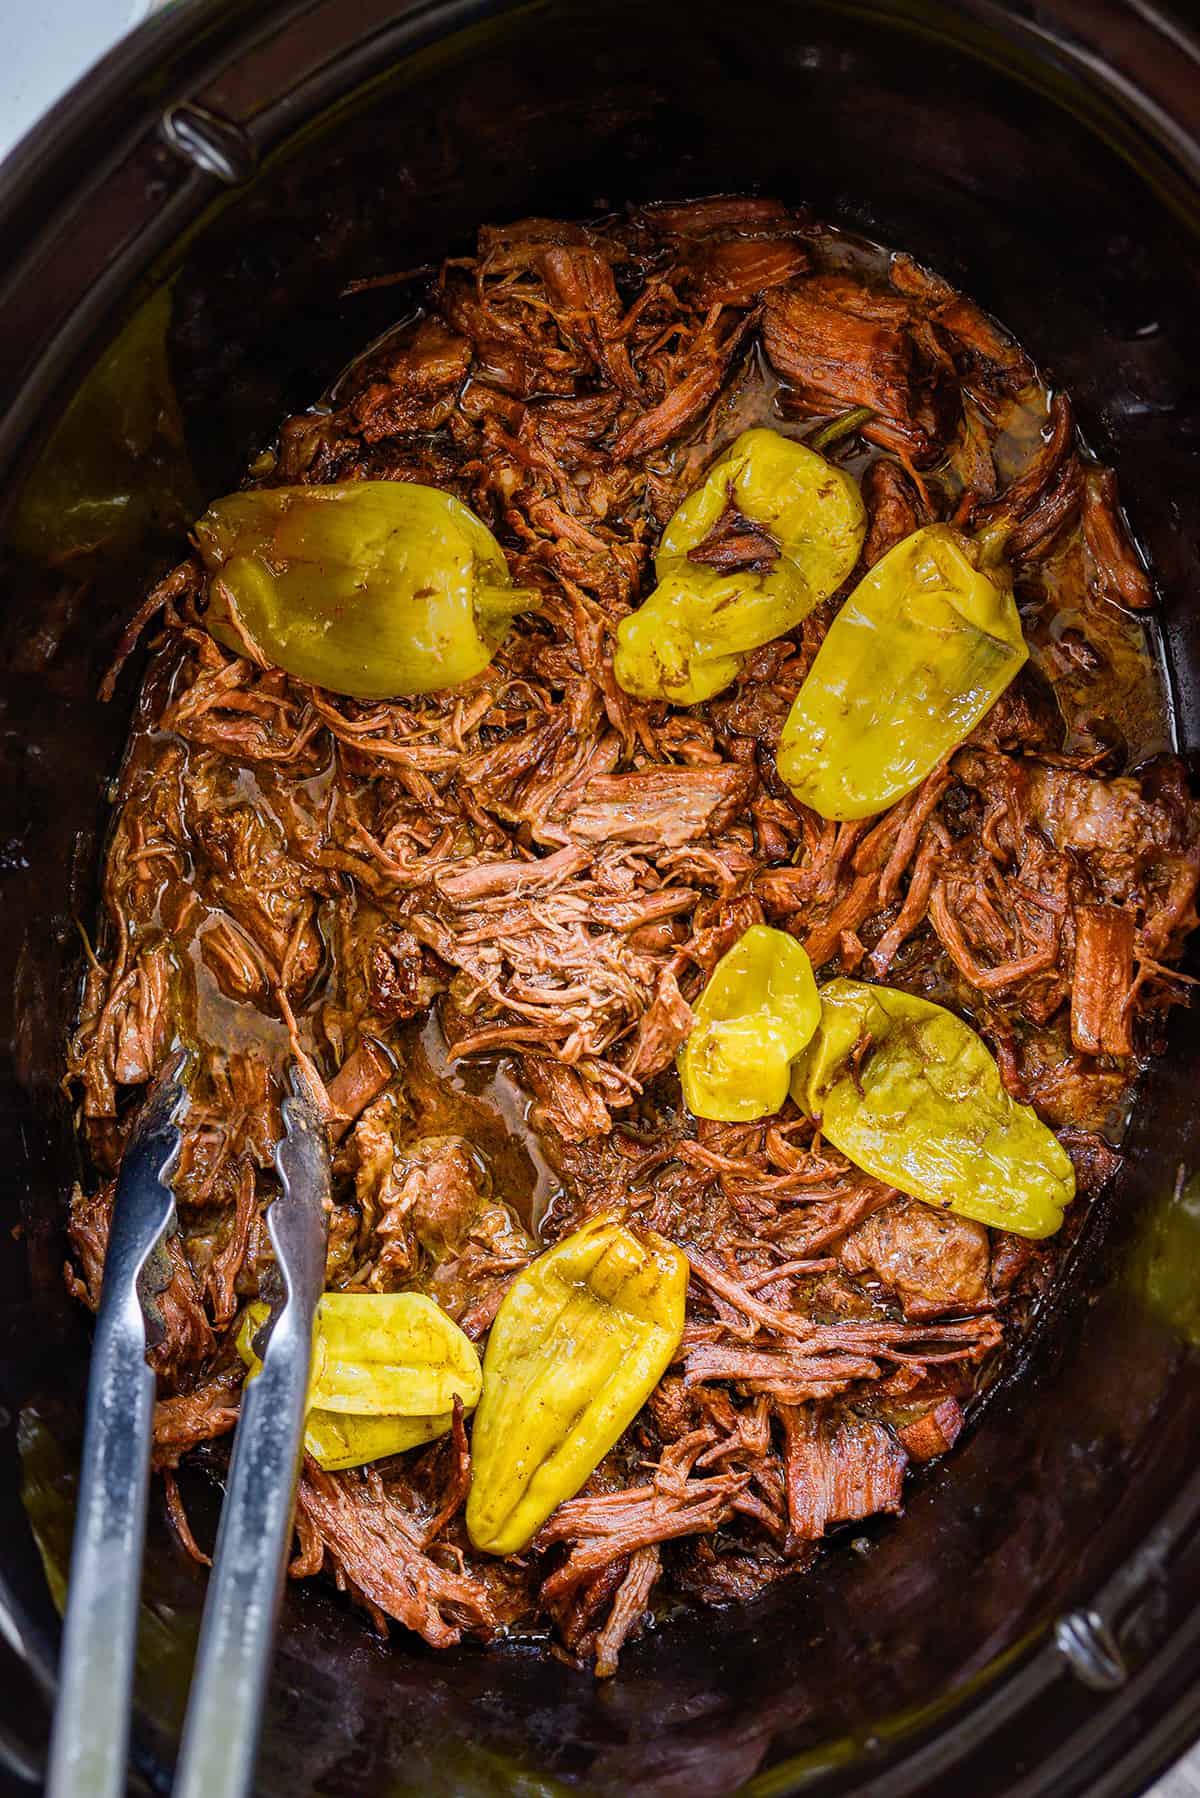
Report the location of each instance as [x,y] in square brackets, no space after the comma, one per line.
[54,43]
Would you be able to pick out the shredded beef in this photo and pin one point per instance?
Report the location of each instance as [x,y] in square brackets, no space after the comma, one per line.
[894,509]
[1102,986]
[481,918]
[1118,570]
[840,344]
[378,1553]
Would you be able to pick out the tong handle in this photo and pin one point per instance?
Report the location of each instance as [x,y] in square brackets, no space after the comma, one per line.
[89,1745]
[90,1742]
[233,1660]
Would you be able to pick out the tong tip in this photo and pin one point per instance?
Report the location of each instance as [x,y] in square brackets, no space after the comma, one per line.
[155,1140]
[167,1099]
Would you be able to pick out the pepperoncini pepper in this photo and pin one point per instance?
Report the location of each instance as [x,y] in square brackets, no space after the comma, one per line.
[758,1010]
[687,641]
[386,1370]
[909,1093]
[373,589]
[668,648]
[924,645]
[582,1338]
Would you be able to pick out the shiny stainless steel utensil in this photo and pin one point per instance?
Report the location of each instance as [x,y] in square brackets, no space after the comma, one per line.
[224,1716]
[90,1741]
[89,1744]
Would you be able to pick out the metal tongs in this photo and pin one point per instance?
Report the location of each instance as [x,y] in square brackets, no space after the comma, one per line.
[90,1741]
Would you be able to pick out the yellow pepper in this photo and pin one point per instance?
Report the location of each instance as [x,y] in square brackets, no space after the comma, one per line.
[582,1338]
[909,1093]
[924,645]
[757,1012]
[337,1442]
[667,649]
[386,1370]
[688,640]
[373,589]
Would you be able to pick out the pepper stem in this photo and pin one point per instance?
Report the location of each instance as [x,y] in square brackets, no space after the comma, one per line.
[496,607]
[838,427]
[991,541]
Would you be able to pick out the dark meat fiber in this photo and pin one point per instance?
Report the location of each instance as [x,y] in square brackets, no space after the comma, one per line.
[483,915]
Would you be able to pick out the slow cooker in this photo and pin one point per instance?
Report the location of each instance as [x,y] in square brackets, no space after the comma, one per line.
[181,233]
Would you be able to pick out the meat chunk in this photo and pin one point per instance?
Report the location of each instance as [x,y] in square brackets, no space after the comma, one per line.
[734,272]
[1016,1263]
[1129,830]
[935,1263]
[840,344]
[411,1195]
[1067,1089]
[467,883]
[744,214]
[579,279]
[935,1433]
[1079,812]
[420,387]
[972,457]
[221,1284]
[790,1376]
[1046,496]
[736,542]
[1039,530]
[1094,1160]
[608,1526]
[444,1185]
[243,867]
[180,1333]
[981,348]
[1102,984]
[1117,568]
[1026,717]
[193,1417]
[837,1470]
[628,1610]
[663,1027]
[235,963]
[358,1082]
[664,806]
[672,1408]
[142,1022]
[893,508]
[426,1196]
[699,382]
[566,1105]
[403,975]
[122,1039]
